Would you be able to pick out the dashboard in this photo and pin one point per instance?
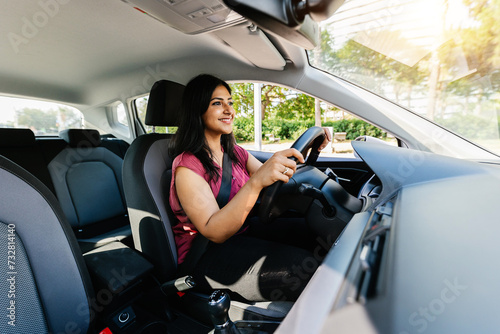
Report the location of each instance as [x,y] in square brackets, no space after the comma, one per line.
[420,258]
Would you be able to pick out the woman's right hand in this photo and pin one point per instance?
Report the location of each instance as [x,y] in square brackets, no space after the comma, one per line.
[278,168]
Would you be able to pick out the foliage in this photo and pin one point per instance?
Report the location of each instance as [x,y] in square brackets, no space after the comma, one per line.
[355,128]
[48,121]
[471,126]
[276,101]
[39,120]
[286,128]
[141,105]
[463,69]
[286,114]
[292,129]
[243,97]
[243,129]
[371,69]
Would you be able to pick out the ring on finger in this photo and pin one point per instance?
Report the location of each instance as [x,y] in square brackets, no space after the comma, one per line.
[286,170]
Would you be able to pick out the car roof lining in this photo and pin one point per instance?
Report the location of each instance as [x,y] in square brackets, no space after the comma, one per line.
[50,53]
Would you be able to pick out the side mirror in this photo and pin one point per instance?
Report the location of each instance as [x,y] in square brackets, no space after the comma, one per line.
[294,20]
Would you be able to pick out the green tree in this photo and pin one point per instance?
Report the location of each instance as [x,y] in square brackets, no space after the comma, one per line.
[480,46]
[292,105]
[373,69]
[68,118]
[141,105]
[38,120]
[243,98]
[277,101]
[324,55]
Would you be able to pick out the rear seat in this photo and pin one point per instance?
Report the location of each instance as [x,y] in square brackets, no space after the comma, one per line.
[84,172]
[88,183]
[20,146]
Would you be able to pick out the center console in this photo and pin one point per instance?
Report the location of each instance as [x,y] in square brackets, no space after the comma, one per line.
[122,280]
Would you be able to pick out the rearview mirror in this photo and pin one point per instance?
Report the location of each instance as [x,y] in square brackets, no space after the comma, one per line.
[294,20]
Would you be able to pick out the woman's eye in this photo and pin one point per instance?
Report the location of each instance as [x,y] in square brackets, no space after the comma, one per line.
[217,103]
[230,103]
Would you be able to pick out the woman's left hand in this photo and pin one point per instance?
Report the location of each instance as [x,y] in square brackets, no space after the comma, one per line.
[328,138]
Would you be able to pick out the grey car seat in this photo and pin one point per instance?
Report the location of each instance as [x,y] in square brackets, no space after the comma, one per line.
[147,174]
[45,285]
[88,183]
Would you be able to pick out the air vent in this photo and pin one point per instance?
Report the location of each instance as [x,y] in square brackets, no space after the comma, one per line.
[372,252]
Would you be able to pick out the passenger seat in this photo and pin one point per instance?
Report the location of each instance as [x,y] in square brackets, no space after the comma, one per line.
[87,180]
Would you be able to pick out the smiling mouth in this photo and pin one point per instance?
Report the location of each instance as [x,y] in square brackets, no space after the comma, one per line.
[226,120]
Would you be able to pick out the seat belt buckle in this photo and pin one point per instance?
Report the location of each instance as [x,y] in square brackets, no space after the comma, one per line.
[178,285]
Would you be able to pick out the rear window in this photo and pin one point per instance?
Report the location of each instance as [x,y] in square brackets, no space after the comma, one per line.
[141,105]
[43,118]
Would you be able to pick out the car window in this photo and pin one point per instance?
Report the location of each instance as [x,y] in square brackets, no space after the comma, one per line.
[42,117]
[141,105]
[286,114]
[439,59]
[121,114]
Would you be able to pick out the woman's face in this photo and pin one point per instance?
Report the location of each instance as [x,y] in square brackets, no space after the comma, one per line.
[218,119]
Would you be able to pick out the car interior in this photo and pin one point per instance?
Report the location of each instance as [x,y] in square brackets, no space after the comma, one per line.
[86,226]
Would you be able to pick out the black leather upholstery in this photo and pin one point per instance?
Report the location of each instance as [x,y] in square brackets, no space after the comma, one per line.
[51,282]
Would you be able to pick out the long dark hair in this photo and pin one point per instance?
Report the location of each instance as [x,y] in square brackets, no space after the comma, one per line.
[190,135]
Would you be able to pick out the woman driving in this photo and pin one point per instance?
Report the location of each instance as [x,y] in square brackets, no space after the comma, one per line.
[252,268]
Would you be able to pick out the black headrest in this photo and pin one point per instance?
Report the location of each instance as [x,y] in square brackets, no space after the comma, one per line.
[10,137]
[81,137]
[164,103]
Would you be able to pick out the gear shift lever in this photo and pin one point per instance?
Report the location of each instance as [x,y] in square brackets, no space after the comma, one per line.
[218,308]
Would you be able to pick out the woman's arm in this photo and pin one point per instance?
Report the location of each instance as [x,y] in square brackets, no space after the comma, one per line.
[201,207]
[252,164]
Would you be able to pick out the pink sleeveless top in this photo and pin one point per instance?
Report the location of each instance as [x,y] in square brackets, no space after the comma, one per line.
[184,230]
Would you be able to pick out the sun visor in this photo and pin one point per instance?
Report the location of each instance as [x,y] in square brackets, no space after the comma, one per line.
[254,45]
[189,16]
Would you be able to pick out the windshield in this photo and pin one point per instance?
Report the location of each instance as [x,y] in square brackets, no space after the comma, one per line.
[438,58]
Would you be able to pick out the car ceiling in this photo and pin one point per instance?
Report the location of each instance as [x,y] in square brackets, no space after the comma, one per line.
[87,52]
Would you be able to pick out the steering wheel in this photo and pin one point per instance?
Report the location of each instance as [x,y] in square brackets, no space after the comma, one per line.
[312,138]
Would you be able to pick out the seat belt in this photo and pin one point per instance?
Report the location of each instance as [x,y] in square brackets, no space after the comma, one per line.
[200,243]
[225,186]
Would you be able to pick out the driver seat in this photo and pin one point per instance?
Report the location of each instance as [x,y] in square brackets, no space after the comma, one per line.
[45,284]
[147,171]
